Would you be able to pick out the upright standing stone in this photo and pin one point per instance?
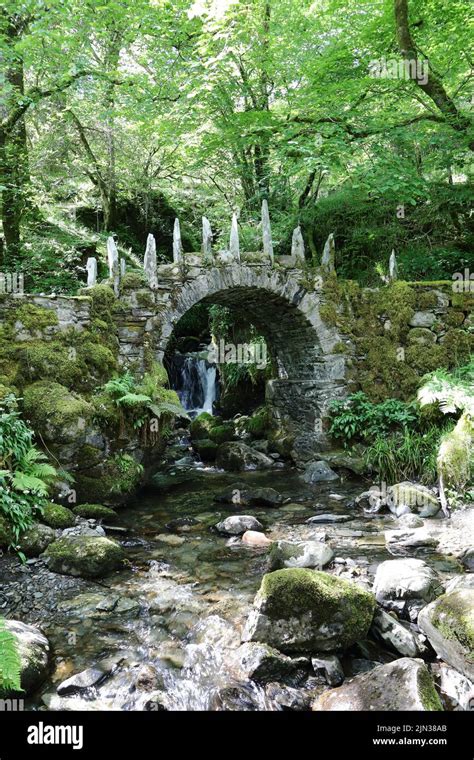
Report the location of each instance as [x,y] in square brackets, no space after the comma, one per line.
[91,267]
[149,262]
[113,260]
[123,267]
[329,254]
[178,257]
[267,232]
[234,239]
[393,267]
[206,240]
[297,246]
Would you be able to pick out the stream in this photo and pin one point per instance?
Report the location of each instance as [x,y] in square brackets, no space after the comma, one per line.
[162,632]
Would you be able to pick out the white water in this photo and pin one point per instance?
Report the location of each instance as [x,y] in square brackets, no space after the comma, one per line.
[198,390]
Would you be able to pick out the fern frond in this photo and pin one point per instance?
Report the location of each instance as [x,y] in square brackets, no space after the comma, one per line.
[10,661]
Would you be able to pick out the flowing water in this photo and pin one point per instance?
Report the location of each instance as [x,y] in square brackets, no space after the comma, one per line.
[195,381]
[171,620]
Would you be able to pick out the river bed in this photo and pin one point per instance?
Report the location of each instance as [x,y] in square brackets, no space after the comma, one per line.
[163,630]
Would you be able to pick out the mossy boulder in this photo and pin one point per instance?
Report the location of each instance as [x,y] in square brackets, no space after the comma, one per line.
[201,426]
[57,516]
[222,433]
[84,556]
[34,650]
[206,449]
[58,414]
[94,511]
[297,609]
[421,336]
[35,539]
[116,477]
[258,423]
[404,684]
[236,457]
[448,622]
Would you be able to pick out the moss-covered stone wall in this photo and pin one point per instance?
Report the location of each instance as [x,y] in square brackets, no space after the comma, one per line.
[394,335]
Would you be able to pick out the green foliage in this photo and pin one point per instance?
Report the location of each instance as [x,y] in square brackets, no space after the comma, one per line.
[406,455]
[10,661]
[141,402]
[453,393]
[25,474]
[358,418]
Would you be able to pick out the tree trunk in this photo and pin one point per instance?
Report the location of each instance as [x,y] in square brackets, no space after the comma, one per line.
[14,164]
[433,87]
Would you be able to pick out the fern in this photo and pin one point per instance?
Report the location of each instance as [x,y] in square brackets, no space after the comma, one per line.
[25,474]
[10,661]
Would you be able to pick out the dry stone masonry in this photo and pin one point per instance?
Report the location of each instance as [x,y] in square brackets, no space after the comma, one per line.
[316,356]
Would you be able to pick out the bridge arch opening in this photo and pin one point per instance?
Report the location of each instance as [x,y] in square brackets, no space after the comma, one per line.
[307,372]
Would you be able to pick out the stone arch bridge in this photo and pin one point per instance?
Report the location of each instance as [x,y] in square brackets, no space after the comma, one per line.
[310,371]
[277,299]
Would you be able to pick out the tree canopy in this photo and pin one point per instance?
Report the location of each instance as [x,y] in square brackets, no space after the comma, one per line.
[349,116]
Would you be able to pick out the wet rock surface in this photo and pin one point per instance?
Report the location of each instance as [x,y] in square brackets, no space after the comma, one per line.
[165,627]
[405,684]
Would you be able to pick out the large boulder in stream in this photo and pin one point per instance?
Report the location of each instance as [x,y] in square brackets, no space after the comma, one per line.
[407,497]
[236,457]
[406,585]
[35,539]
[448,622]
[263,664]
[33,648]
[240,495]
[297,609]
[404,684]
[236,525]
[304,554]
[84,556]
[319,472]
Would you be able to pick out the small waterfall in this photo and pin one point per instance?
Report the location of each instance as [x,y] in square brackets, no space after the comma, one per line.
[195,381]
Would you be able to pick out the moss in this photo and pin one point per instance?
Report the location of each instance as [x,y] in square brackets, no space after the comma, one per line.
[87,556]
[222,433]
[426,300]
[52,406]
[455,452]
[258,423]
[145,299]
[427,692]
[206,449]
[34,318]
[57,516]
[94,511]
[398,301]
[116,478]
[132,281]
[426,359]
[340,348]
[328,313]
[99,360]
[458,346]
[88,456]
[103,304]
[454,317]
[453,616]
[464,301]
[421,336]
[50,360]
[202,425]
[297,591]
